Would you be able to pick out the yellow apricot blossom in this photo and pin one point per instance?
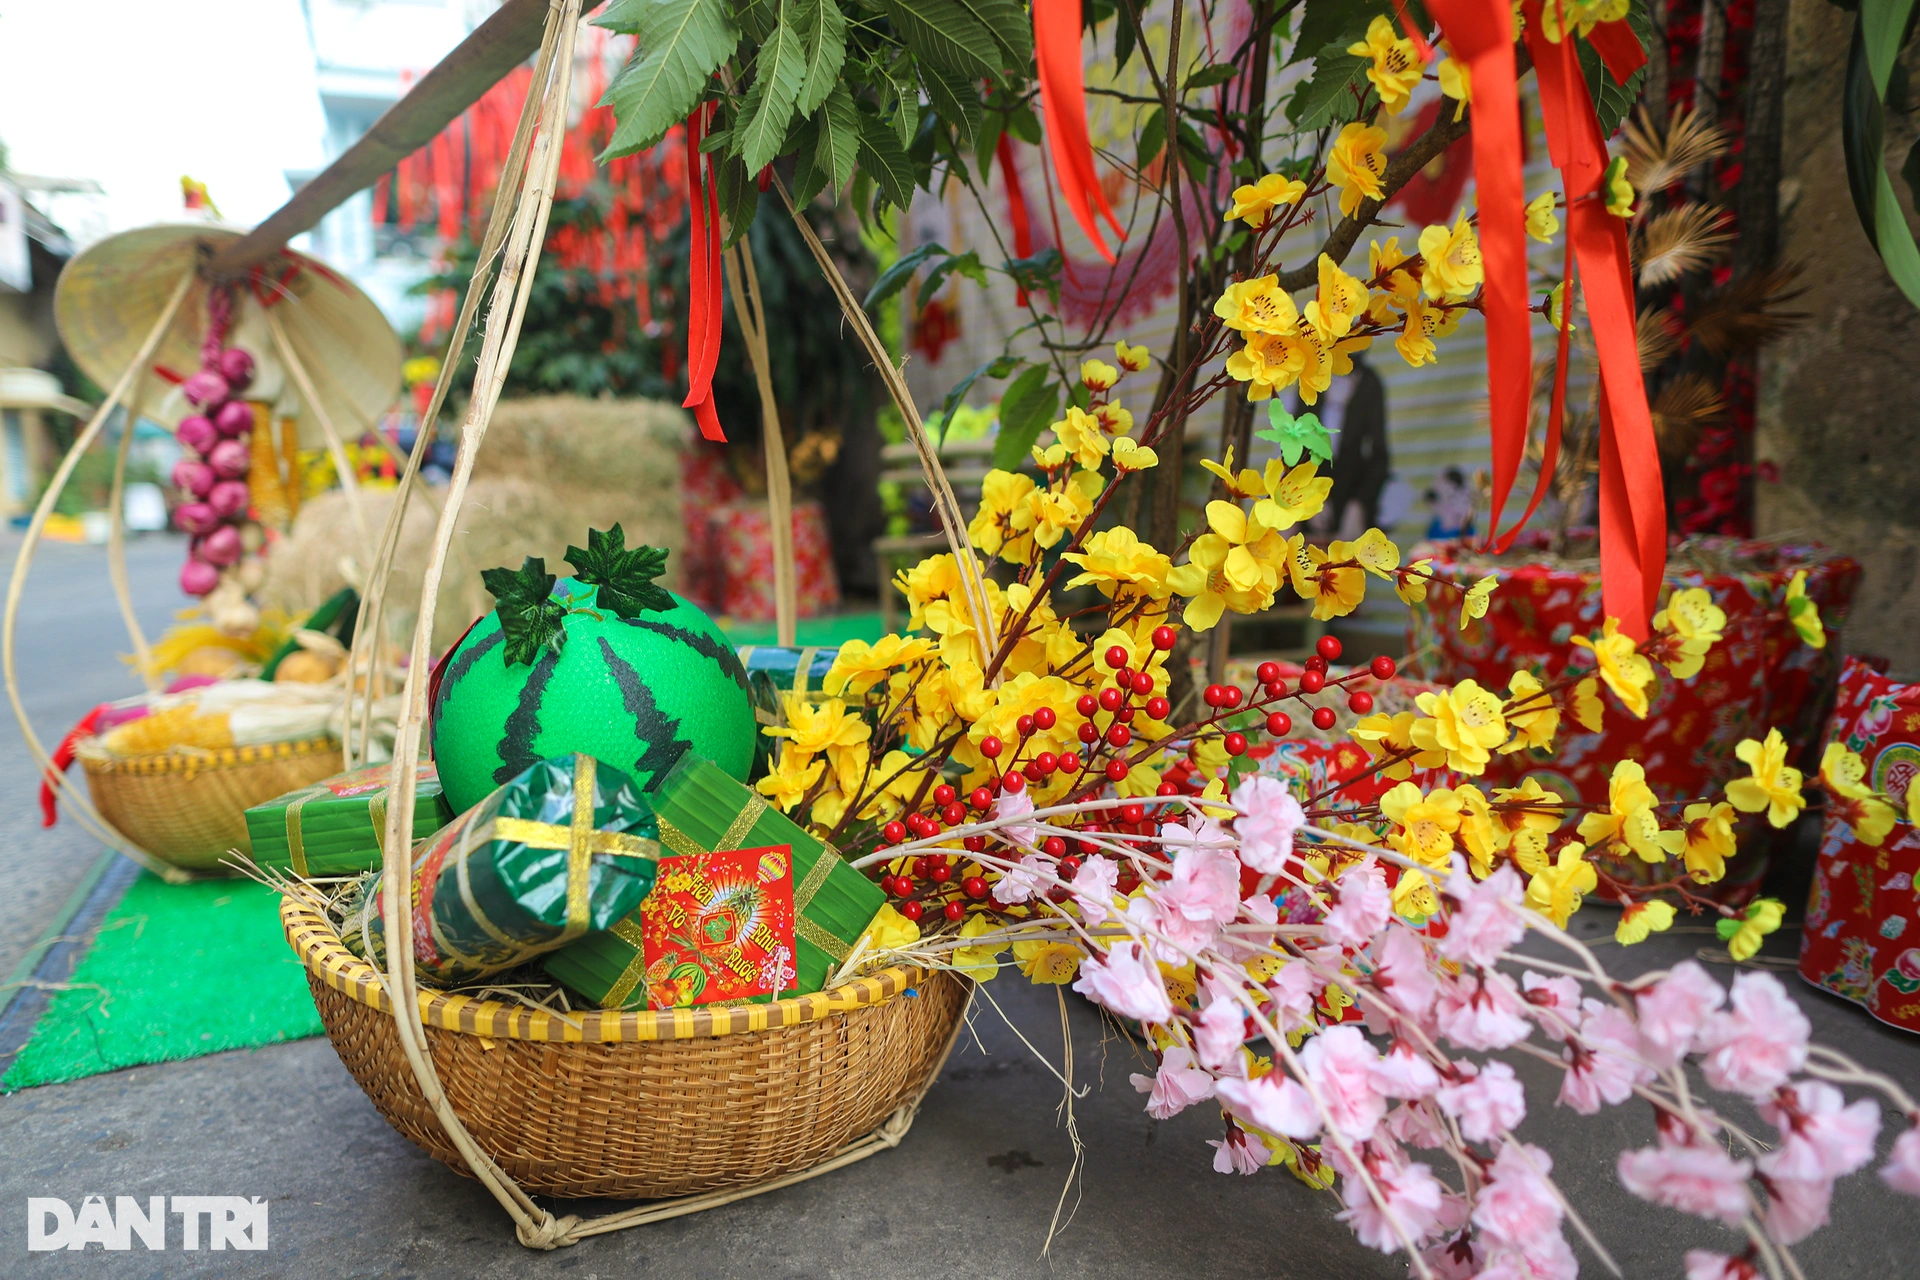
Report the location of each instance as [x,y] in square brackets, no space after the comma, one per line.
[1128,456]
[1341,299]
[1706,841]
[1296,493]
[1425,823]
[1465,721]
[1048,960]
[1001,494]
[1132,359]
[859,665]
[1586,706]
[1257,306]
[1357,164]
[1558,887]
[1115,558]
[1376,553]
[1697,624]
[1804,613]
[1456,82]
[1410,582]
[1247,483]
[1080,432]
[1627,672]
[1640,919]
[1255,202]
[791,777]
[1453,268]
[1628,825]
[1474,604]
[1618,190]
[1269,362]
[1774,787]
[1530,713]
[1542,223]
[1394,64]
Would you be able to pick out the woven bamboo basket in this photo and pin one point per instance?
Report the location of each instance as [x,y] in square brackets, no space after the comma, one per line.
[188,809]
[645,1105]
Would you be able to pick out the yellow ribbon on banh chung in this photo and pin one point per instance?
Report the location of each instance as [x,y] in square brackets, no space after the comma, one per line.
[296,836]
[581,841]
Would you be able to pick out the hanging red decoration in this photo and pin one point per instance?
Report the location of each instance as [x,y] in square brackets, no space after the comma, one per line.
[1063,101]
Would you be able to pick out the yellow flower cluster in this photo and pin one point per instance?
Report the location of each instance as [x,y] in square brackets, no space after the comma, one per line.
[1286,344]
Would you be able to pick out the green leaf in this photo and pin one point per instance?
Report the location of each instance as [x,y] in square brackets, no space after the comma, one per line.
[739,195]
[1727,928]
[1027,407]
[1153,137]
[895,277]
[530,618]
[967,264]
[1611,100]
[1324,99]
[839,145]
[987,142]
[1332,22]
[1005,21]
[1194,155]
[1025,125]
[779,69]
[1123,44]
[882,156]
[955,101]
[1207,77]
[1036,273]
[625,577]
[1296,436]
[823,35]
[1862,133]
[944,34]
[680,44]
[809,178]
[999,367]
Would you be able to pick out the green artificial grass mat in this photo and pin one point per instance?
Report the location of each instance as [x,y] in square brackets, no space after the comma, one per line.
[832,629]
[176,971]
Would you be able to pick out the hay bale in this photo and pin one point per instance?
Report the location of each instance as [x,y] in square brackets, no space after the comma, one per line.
[552,467]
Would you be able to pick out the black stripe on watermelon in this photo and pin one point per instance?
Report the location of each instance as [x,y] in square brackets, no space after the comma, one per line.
[523,726]
[662,736]
[705,645]
[461,664]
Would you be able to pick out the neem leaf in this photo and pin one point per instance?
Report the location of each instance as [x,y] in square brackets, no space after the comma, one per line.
[530,617]
[625,578]
[1295,436]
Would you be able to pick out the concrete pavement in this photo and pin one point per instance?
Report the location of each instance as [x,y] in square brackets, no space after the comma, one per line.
[970,1192]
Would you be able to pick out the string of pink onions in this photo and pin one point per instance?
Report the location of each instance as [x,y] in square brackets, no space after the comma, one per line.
[213,474]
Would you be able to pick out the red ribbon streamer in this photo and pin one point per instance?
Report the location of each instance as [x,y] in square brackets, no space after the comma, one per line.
[703,283]
[1016,204]
[1633,508]
[1618,48]
[1063,101]
[1481,33]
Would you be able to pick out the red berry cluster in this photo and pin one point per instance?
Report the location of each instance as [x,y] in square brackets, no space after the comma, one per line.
[1227,699]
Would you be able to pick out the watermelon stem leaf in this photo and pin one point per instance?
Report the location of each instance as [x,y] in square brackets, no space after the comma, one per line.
[530,618]
[624,576]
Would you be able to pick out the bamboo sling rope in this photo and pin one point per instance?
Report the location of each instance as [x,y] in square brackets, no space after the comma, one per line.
[752,315]
[77,802]
[349,482]
[370,628]
[117,539]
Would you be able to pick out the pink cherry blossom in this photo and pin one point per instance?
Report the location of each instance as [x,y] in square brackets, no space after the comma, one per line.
[1238,1154]
[1294,989]
[1694,1179]
[1220,1029]
[1673,1011]
[1553,1001]
[1127,982]
[1704,1264]
[1416,1124]
[1270,815]
[1822,1136]
[1403,1073]
[1517,1205]
[1341,1065]
[1457,1258]
[1362,905]
[1481,1013]
[1274,1103]
[1797,1207]
[1487,1103]
[1603,1063]
[1202,895]
[1255,910]
[1545,1257]
[1902,1172]
[1760,1041]
[1017,804]
[1093,887]
[1414,1200]
[1176,1086]
[1484,925]
[1403,974]
[1019,884]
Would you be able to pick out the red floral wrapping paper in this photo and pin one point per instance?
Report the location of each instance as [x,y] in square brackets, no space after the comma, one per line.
[1861,938]
[1761,675]
[746,555]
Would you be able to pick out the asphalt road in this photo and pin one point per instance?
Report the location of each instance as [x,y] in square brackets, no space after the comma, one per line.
[970,1192]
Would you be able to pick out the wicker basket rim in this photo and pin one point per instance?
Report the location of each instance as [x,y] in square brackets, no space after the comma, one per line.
[317,943]
[96,759]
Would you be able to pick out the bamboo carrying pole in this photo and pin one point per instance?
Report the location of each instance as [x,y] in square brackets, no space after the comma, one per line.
[753,325]
[76,801]
[117,542]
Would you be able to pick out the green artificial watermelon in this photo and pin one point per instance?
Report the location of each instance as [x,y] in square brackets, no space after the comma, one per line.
[606,663]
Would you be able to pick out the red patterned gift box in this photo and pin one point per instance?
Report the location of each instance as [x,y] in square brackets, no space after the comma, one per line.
[718,927]
[1761,675]
[746,556]
[1861,937]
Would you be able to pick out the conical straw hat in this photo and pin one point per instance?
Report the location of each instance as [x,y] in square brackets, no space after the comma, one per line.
[110,295]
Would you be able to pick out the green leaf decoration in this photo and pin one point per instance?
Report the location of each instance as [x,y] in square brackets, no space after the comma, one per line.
[1296,436]
[739,195]
[680,44]
[1331,22]
[1878,35]
[895,277]
[1611,99]
[955,101]
[996,368]
[823,35]
[624,577]
[967,264]
[943,34]
[1208,77]
[779,70]
[1727,928]
[530,618]
[1006,21]
[839,145]
[1153,138]
[1036,273]
[1027,407]
[882,155]
[1324,100]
